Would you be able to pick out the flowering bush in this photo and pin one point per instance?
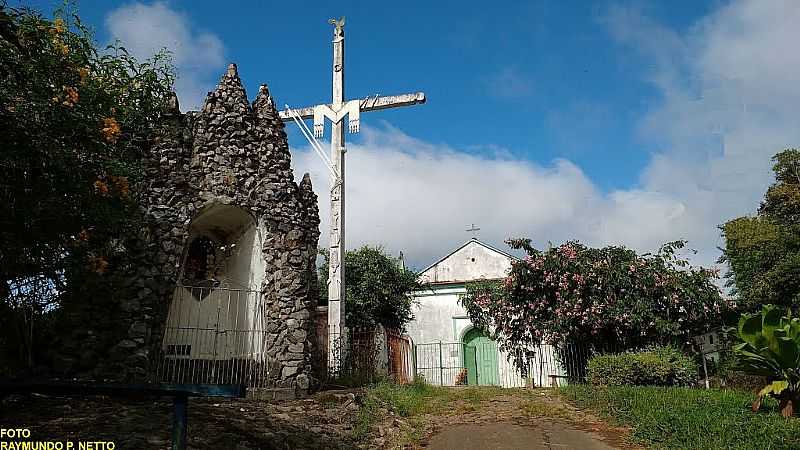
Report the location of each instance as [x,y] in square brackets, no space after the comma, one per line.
[608,296]
[75,122]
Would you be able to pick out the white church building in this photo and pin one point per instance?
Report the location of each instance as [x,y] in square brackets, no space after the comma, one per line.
[449,350]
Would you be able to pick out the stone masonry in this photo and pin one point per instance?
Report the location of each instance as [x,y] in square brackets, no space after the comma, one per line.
[230,153]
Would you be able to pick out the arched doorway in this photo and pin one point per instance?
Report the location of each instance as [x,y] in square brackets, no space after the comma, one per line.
[480,358]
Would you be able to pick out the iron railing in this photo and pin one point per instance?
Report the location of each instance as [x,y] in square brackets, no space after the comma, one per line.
[215,335]
[458,363]
[441,363]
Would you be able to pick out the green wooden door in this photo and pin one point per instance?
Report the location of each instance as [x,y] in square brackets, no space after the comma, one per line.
[470,363]
[484,368]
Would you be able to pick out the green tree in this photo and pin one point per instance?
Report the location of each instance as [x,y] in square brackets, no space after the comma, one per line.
[378,289]
[782,201]
[75,122]
[763,252]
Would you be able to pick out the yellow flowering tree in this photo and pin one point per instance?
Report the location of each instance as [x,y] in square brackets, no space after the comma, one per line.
[75,121]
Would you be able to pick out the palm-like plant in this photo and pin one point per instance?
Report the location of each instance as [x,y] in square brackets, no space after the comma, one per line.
[771,347]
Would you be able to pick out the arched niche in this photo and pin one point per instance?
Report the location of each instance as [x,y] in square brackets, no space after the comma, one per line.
[224,250]
[217,309]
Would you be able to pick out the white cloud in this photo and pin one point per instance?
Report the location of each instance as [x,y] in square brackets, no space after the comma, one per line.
[728,100]
[418,197]
[144,29]
[729,97]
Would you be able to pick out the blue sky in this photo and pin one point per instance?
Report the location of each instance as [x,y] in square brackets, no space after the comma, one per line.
[610,122]
[541,80]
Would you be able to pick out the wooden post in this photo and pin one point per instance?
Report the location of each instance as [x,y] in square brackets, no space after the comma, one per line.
[705,368]
[529,367]
[336,292]
[413,362]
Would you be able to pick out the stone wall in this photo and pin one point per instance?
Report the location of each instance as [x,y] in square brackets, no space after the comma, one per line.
[229,153]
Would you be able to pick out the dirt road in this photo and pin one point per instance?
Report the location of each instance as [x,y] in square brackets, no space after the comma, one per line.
[469,419]
[505,436]
[508,419]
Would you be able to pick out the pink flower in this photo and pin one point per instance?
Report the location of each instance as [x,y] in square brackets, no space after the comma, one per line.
[568,251]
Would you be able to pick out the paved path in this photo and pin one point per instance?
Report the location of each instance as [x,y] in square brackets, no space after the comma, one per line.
[507,436]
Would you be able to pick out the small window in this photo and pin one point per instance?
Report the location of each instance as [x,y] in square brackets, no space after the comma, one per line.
[473,259]
[711,339]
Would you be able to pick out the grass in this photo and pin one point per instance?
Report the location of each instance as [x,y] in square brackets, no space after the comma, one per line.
[405,401]
[409,401]
[533,408]
[412,399]
[681,418]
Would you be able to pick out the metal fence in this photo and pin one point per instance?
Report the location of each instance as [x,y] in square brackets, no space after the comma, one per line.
[441,363]
[215,336]
[484,364]
[218,336]
[365,356]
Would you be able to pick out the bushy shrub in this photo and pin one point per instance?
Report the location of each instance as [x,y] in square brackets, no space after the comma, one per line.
[682,418]
[725,372]
[654,366]
[378,288]
[76,119]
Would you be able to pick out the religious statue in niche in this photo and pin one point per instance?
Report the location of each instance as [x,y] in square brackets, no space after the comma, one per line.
[204,268]
[200,260]
[202,263]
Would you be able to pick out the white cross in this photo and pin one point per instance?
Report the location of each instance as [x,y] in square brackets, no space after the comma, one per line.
[336,111]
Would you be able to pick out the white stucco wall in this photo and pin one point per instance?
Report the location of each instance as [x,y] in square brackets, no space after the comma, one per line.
[472,261]
[440,318]
[440,322]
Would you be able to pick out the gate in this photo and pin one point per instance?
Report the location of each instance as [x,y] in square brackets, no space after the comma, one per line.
[481,359]
[401,360]
[478,362]
[441,363]
[215,335]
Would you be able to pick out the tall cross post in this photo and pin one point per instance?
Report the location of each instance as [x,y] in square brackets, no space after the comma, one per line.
[336,111]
